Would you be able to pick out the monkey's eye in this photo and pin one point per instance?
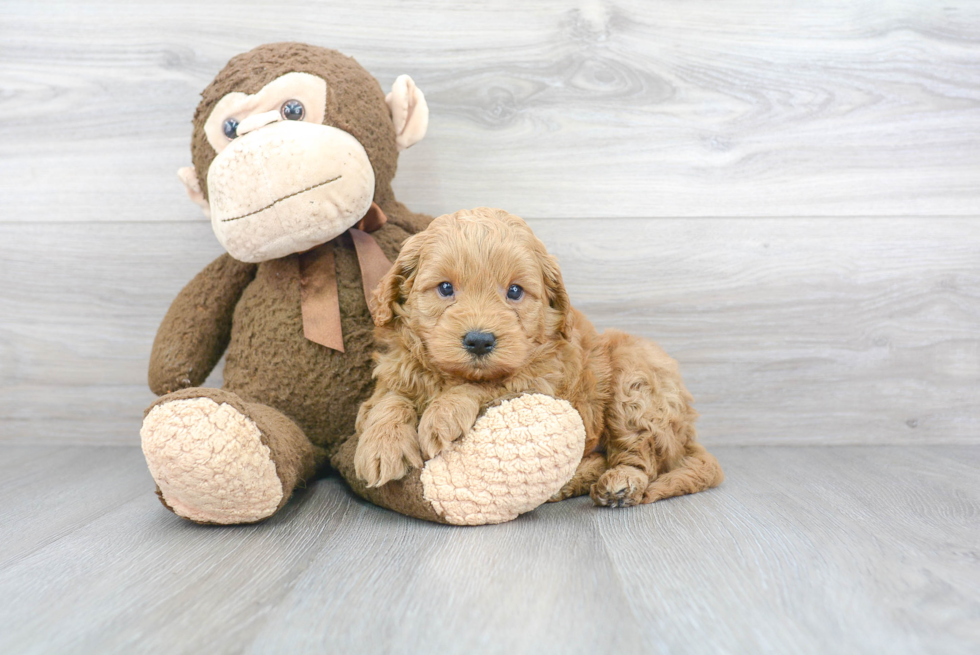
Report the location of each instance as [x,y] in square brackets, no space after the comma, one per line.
[445,290]
[292,110]
[231,128]
[515,292]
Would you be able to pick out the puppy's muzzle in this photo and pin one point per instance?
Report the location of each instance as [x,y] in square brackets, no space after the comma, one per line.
[479,343]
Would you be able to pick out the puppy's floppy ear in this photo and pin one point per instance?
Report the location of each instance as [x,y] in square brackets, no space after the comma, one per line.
[388,294]
[557,296]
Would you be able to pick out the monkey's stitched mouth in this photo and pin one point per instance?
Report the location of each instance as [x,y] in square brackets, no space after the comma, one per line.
[275,202]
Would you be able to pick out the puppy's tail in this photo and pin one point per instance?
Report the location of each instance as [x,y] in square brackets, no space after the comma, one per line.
[699,470]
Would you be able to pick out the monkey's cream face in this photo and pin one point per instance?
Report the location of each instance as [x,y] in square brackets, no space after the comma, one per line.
[283,182]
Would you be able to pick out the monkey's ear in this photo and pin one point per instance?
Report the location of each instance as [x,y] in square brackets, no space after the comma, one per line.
[409,112]
[188,175]
[388,294]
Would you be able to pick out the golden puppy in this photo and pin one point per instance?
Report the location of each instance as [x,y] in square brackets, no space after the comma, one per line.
[474,310]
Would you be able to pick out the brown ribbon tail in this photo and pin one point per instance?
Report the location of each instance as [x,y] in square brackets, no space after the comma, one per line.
[319,297]
[374,265]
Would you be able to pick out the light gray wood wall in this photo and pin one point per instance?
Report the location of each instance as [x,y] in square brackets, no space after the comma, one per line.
[785,194]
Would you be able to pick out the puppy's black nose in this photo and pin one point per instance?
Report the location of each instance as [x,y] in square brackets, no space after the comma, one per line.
[479,343]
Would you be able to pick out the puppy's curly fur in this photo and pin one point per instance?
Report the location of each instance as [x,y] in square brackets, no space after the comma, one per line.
[473,310]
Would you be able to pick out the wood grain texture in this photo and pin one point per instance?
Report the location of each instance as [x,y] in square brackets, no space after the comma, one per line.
[802,550]
[48,493]
[806,331]
[551,109]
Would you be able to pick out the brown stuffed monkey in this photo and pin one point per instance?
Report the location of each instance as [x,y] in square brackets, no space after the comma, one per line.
[294,150]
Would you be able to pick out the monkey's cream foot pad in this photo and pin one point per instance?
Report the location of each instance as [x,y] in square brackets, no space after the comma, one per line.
[516,456]
[209,462]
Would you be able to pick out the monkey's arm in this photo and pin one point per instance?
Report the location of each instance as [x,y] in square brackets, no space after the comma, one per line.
[197,327]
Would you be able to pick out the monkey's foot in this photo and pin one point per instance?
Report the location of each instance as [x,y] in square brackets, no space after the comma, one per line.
[210,461]
[517,456]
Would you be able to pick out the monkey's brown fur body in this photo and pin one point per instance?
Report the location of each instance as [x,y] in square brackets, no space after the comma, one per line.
[253,311]
[640,438]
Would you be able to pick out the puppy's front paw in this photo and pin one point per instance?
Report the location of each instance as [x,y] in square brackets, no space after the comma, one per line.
[621,486]
[443,423]
[386,452]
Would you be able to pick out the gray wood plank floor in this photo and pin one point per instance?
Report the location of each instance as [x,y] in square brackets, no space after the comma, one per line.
[844,549]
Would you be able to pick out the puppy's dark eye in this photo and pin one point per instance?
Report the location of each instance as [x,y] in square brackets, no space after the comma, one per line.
[231,128]
[445,289]
[292,110]
[515,292]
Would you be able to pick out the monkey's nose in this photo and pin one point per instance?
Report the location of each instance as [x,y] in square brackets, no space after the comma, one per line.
[256,121]
[479,343]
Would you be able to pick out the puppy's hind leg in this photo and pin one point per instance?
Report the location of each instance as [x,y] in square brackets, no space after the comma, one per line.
[649,429]
[589,469]
[699,470]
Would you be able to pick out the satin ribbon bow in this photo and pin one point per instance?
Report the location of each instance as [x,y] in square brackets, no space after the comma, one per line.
[319,297]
